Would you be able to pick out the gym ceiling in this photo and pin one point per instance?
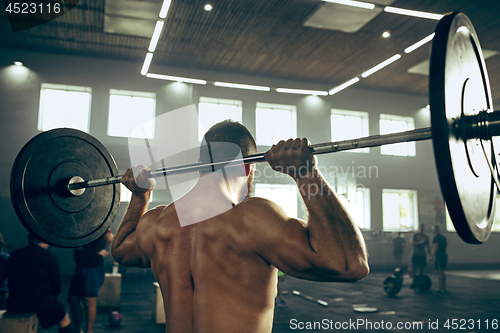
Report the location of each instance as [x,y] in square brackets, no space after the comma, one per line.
[277,39]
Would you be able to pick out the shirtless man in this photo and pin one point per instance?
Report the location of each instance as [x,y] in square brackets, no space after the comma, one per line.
[220,275]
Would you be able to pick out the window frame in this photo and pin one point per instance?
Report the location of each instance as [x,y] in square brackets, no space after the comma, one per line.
[281,107]
[66,88]
[218,101]
[414,203]
[410,125]
[365,126]
[129,93]
[292,187]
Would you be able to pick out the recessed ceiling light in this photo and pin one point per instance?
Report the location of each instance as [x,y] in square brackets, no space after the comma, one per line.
[18,63]
[386,34]
[208,7]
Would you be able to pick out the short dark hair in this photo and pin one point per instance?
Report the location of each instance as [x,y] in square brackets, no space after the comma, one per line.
[227,131]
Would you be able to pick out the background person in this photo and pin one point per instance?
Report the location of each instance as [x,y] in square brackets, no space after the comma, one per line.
[4,291]
[35,283]
[87,280]
[281,300]
[399,244]
[421,248]
[440,257]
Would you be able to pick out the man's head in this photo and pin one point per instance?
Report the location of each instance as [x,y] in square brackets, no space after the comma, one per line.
[230,132]
[225,141]
[421,228]
[436,229]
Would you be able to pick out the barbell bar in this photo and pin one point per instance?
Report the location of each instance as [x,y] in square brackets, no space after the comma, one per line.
[484,126]
[57,178]
[316,149]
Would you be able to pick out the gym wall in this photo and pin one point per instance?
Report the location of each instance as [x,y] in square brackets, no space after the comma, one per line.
[19,117]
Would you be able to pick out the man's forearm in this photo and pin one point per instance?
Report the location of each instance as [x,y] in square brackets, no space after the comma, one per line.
[124,241]
[333,235]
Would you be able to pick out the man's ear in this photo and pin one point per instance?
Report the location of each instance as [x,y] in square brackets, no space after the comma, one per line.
[247,169]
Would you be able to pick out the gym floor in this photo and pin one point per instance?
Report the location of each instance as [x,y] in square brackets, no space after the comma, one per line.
[473,299]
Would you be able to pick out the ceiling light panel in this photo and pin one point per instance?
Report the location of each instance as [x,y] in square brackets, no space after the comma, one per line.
[147,63]
[302,91]
[343,86]
[241,86]
[131,18]
[419,43]
[175,78]
[164,8]
[156,36]
[358,4]
[381,65]
[413,13]
[339,15]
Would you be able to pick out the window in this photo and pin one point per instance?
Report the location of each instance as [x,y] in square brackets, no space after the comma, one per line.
[357,204]
[126,195]
[282,194]
[347,125]
[395,124]
[399,210]
[275,122]
[131,114]
[214,110]
[64,106]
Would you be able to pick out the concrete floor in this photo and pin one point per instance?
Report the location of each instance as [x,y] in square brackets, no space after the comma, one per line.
[473,301]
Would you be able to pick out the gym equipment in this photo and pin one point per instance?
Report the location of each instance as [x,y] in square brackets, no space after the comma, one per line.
[394,283]
[310,298]
[115,319]
[41,171]
[58,178]
[364,309]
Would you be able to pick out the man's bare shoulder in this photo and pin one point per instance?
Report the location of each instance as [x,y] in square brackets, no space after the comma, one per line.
[260,210]
[258,202]
[160,213]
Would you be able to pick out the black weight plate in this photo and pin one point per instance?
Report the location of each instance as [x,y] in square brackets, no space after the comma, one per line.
[423,282]
[392,285]
[39,175]
[459,85]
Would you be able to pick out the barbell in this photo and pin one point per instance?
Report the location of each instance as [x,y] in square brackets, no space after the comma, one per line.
[58,177]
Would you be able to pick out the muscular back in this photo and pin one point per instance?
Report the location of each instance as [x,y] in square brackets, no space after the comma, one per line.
[211,278]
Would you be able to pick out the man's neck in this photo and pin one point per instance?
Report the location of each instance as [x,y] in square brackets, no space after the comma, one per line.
[219,185]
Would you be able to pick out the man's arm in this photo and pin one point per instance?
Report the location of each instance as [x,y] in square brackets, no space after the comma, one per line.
[435,247]
[429,247]
[329,246]
[124,248]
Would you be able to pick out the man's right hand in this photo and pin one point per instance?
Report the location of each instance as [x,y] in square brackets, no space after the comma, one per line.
[138,180]
[292,157]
